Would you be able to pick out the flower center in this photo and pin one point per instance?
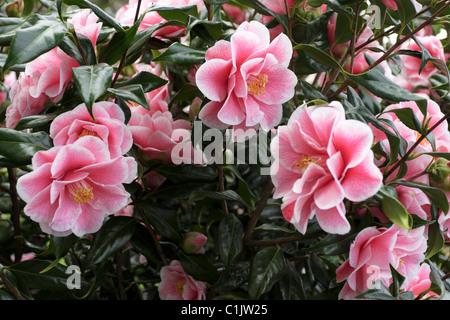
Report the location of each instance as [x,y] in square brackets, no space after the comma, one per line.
[87,132]
[306,161]
[257,84]
[81,192]
[180,286]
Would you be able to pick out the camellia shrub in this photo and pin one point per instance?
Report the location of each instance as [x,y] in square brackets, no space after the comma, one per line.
[224,150]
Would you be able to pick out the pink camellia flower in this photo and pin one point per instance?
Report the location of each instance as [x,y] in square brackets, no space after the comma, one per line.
[23,104]
[320,159]
[235,14]
[434,114]
[278,6]
[153,134]
[85,23]
[126,15]
[108,125]
[409,76]
[52,71]
[391,4]
[421,282]
[194,242]
[247,79]
[178,285]
[72,188]
[374,251]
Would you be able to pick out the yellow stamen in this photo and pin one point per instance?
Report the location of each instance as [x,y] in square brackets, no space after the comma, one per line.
[257,84]
[81,192]
[401,262]
[180,286]
[87,132]
[306,161]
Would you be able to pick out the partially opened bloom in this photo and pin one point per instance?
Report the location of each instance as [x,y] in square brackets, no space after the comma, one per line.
[109,126]
[23,104]
[73,188]
[372,254]
[153,134]
[320,159]
[247,79]
[52,71]
[176,284]
[420,283]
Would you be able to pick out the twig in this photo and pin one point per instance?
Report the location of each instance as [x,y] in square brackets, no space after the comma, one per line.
[122,59]
[266,193]
[393,48]
[410,150]
[353,41]
[11,289]
[15,214]
[271,242]
[83,54]
[222,188]
[154,237]
[118,258]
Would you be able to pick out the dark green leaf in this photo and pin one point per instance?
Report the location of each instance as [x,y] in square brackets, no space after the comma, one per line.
[40,36]
[435,241]
[143,242]
[164,220]
[131,92]
[437,196]
[147,80]
[19,147]
[92,82]
[267,268]
[377,83]
[230,235]
[180,54]
[199,267]
[318,55]
[62,245]
[112,236]
[29,274]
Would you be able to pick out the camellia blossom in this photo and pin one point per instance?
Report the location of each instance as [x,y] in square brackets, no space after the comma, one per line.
[372,253]
[109,126]
[410,76]
[126,15]
[247,79]
[23,104]
[52,71]
[72,188]
[178,285]
[153,134]
[421,282]
[320,159]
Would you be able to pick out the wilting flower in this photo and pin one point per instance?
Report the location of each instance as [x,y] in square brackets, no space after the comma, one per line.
[372,254]
[72,188]
[247,79]
[178,285]
[320,159]
[108,126]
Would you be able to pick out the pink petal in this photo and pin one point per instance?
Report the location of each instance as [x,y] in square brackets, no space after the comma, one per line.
[208,114]
[231,112]
[333,220]
[212,79]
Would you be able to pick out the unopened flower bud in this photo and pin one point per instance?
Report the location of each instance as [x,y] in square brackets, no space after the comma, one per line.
[440,174]
[14,9]
[194,242]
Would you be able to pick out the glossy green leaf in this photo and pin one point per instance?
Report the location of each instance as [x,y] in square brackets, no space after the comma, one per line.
[437,196]
[29,274]
[62,245]
[112,236]
[318,55]
[131,92]
[180,54]
[230,235]
[267,268]
[435,241]
[147,80]
[19,147]
[28,43]
[92,82]
[199,267]
[394,210]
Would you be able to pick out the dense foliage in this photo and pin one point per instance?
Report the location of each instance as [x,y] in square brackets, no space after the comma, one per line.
[125,175]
